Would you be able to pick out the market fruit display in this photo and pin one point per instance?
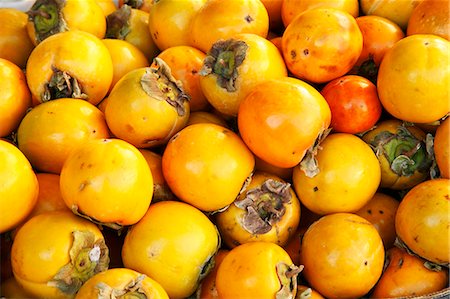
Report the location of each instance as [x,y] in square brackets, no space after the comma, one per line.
[209,149]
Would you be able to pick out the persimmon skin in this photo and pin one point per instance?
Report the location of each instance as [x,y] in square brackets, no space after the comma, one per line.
[442,148]
[321,44]
[273,117]
[15,98]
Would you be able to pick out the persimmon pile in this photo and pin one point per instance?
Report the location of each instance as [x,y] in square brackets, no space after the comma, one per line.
[282,149]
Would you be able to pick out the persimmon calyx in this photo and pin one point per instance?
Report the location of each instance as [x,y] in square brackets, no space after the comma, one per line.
[133,290]
[87,258]
[309,164]
[223,60]
[62,85]
[134,3]
[116,226]
[405,153]
[287,274]
[118,23]
[432,266]
[264,206]
[158,83]
[47,18]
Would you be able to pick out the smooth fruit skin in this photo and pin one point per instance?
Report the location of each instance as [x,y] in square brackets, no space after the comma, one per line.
[380,211]
[15,44]
[321,44]
[255,265]
[406,275]
[169,22]
[379,35]
[349,175]
[273,118]
[41,247]
[15,98]
[430,17]
[120,278]
[442,148]
[216,21]
[172,244]
[140,118]
[125,58]
[89,62]
[185,63]
[19,187]
[422,221]
[412,82]
[354,103]
[206,165]
[262,62]
[108,180]
[292,8]
[343,256]
[48,133]
[396,11]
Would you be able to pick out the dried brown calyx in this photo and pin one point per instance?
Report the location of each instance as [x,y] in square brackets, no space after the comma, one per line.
[47,18]
[264,205]
[159,84]
[287,274]
[309,164]
[133,290]
[134,3]
[223,59]
[87,258]
[117,23]
[62,85]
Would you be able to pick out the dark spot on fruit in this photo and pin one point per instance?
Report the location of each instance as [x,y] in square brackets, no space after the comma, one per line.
[94,131]
[82,165]
[365,263]
[426,43]
[293,54]
[381,212]
[129,128]
[89,165]
[193,72]
[155,35]
[416,239]
[369,211]
[306,52]
[447,197]
[316,189]
[248,19]
[400,263]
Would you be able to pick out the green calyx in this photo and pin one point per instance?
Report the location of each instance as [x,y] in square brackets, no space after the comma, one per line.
[87,258]
[133,290]
[264,206]
[47,18]
[405,153]
[223,60]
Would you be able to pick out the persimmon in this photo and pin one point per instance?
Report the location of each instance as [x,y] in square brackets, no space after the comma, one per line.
[233,67]
[48,133]
[415,63]
[206,165]
[49,17]
[272,119]
[185,63]
[430,17]
[292,8]
[441,147]
[57,69]
[321,44]
[15,43]
[19,189]
[266,210]
[408,275]
[131,25]
[15,98]
[215,21]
